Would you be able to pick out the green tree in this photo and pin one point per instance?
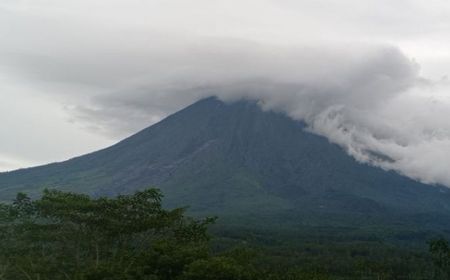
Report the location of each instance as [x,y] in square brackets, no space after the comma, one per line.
[440,252]
[217,268]
[65,235]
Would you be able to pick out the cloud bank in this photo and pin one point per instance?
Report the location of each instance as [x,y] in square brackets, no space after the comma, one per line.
[124,74]
[371,101]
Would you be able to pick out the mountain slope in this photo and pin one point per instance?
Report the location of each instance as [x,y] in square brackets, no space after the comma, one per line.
[236,160]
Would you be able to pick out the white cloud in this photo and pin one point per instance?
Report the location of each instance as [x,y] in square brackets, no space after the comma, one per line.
[117,66]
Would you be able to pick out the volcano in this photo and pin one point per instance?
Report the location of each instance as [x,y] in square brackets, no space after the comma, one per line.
[235,160]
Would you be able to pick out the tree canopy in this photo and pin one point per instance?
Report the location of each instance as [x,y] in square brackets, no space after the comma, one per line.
[65,235]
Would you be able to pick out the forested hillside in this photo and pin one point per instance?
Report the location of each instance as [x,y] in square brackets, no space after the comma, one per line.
[72,236]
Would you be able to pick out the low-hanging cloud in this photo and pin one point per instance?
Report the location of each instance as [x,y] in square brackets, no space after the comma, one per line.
[369,99]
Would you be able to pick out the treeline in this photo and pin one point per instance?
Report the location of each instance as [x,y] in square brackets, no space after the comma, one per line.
[73,236]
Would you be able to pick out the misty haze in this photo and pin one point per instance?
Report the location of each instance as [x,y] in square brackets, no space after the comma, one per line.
[212,139]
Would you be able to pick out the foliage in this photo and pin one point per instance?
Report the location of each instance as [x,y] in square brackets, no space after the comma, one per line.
[440,252]
[65,235]
[72,236]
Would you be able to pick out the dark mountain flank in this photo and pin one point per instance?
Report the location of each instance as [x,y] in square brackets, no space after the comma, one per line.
[239,162]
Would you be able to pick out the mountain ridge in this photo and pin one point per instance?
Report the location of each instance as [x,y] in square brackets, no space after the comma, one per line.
[233,159]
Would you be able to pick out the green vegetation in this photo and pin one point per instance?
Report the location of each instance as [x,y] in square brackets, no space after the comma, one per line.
[65,235]
[71,236]
[440,252]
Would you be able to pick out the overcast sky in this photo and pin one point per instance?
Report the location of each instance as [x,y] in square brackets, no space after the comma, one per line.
[371,76]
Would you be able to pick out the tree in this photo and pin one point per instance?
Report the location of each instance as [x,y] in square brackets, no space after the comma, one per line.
[217,268]
[440,252]
[65,235]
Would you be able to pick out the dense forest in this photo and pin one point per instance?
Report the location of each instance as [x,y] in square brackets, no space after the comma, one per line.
[64,235]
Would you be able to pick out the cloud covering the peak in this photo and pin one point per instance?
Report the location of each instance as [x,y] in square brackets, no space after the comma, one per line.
[370,100]
[73,69]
